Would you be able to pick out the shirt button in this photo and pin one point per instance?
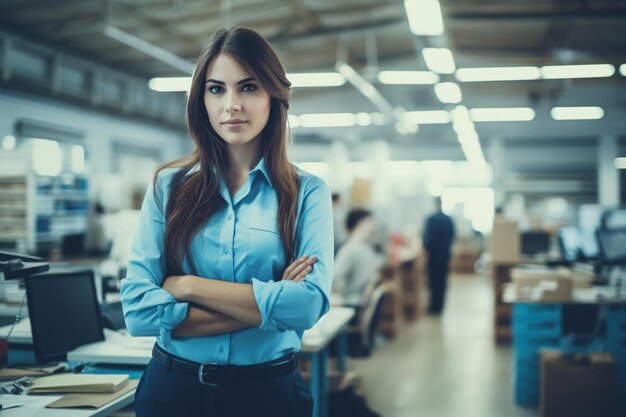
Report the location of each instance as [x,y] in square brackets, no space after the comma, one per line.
[221,349]
[225,251]
[230,216]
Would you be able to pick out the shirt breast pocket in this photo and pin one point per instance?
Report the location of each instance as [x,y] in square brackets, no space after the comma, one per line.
[265,249]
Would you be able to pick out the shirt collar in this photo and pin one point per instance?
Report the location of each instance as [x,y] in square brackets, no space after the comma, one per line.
[261,166]
[193,169]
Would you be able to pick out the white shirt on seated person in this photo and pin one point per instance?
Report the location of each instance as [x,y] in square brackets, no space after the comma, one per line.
[356,264]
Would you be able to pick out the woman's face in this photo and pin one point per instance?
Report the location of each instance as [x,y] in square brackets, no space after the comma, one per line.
[237,106]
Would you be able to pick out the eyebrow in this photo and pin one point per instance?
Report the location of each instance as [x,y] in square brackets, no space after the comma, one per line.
[245,80]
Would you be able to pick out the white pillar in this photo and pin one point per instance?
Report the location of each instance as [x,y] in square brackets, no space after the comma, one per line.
[496,158]
[338,158]
[608,175]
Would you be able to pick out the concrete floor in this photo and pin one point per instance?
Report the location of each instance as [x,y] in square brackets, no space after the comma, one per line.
[444,367]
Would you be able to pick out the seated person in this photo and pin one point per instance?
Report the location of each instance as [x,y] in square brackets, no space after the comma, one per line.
[356,263]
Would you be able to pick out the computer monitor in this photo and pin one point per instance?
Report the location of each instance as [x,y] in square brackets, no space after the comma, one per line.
[589,245]
[614,219]
[589,219]
[570,243]
[533,243]
[612,243]
[64,313]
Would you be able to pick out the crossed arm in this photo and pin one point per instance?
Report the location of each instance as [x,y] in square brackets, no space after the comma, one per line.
[219,307]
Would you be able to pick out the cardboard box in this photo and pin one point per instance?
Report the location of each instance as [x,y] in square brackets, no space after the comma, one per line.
[361,193]
[584,385]
[505,242]
[542,284]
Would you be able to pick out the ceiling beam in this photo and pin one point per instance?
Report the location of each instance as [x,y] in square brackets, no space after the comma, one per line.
[334,31]
[310,19]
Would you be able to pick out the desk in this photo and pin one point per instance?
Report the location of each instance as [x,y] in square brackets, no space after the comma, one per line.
[106,410]
[11,309]
[315,345]
[547,324]
[22,334]
[118,349]
[123,350]
[138,351]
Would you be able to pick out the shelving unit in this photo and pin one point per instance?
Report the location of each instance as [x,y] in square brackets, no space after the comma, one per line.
[411,287]
[502,311]
[38,211]
[390,320]
[15,214]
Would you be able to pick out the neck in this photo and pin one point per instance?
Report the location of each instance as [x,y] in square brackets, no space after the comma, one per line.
[241,159]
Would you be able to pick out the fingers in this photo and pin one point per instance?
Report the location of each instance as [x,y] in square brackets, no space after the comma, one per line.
[299,268]
[306,266]
[294,264]
[303,274]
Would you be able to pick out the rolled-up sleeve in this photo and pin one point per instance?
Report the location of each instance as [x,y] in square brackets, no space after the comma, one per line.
[149,310]
[288,305]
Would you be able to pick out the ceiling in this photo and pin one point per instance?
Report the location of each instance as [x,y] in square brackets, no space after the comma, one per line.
[374,35]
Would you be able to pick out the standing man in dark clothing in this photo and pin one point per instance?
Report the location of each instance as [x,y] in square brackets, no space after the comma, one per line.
[438,237]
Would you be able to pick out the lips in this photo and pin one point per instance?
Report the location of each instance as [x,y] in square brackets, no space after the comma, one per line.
[234,122]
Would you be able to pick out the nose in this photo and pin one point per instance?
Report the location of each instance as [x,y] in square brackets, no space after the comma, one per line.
[233,103]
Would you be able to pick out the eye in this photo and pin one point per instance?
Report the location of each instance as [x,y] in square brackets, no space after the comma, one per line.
[249,88]
[215,89]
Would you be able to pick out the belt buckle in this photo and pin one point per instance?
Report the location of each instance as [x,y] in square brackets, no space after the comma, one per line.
[201,373]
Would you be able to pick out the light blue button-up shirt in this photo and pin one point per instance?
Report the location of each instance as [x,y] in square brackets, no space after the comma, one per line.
[240,243]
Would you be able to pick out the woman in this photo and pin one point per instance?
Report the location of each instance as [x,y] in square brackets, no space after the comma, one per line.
[233,257]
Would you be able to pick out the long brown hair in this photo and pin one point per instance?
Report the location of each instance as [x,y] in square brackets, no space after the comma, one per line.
[194,198]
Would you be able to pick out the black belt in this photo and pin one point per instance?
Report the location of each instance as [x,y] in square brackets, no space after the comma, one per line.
[214,373]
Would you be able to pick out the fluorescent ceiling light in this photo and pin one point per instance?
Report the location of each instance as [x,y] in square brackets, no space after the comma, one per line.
[510,114]
[293,120]
[448,93]
[461,122]
[404,128]
[424,17]
[498,74]
[622,69]
[577,71]
[467,137]
[427,117]
[363,119]
[620,163]
[316,79]
[439,60]
[473,152]
[321,79]
[378,119]
[8,143]
[327,120]
[168,84]
[408,77]
[577,113]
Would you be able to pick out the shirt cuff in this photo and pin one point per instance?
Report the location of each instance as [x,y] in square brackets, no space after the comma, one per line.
[170,316]
[266,294]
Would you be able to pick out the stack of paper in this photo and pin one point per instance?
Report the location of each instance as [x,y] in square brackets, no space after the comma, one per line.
[78,383]
[10,374]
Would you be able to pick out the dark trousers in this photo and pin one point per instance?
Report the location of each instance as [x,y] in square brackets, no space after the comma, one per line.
[167,393]
[437,283]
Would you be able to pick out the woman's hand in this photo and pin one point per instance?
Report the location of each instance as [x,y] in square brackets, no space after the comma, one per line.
[177,285]
[299,269]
